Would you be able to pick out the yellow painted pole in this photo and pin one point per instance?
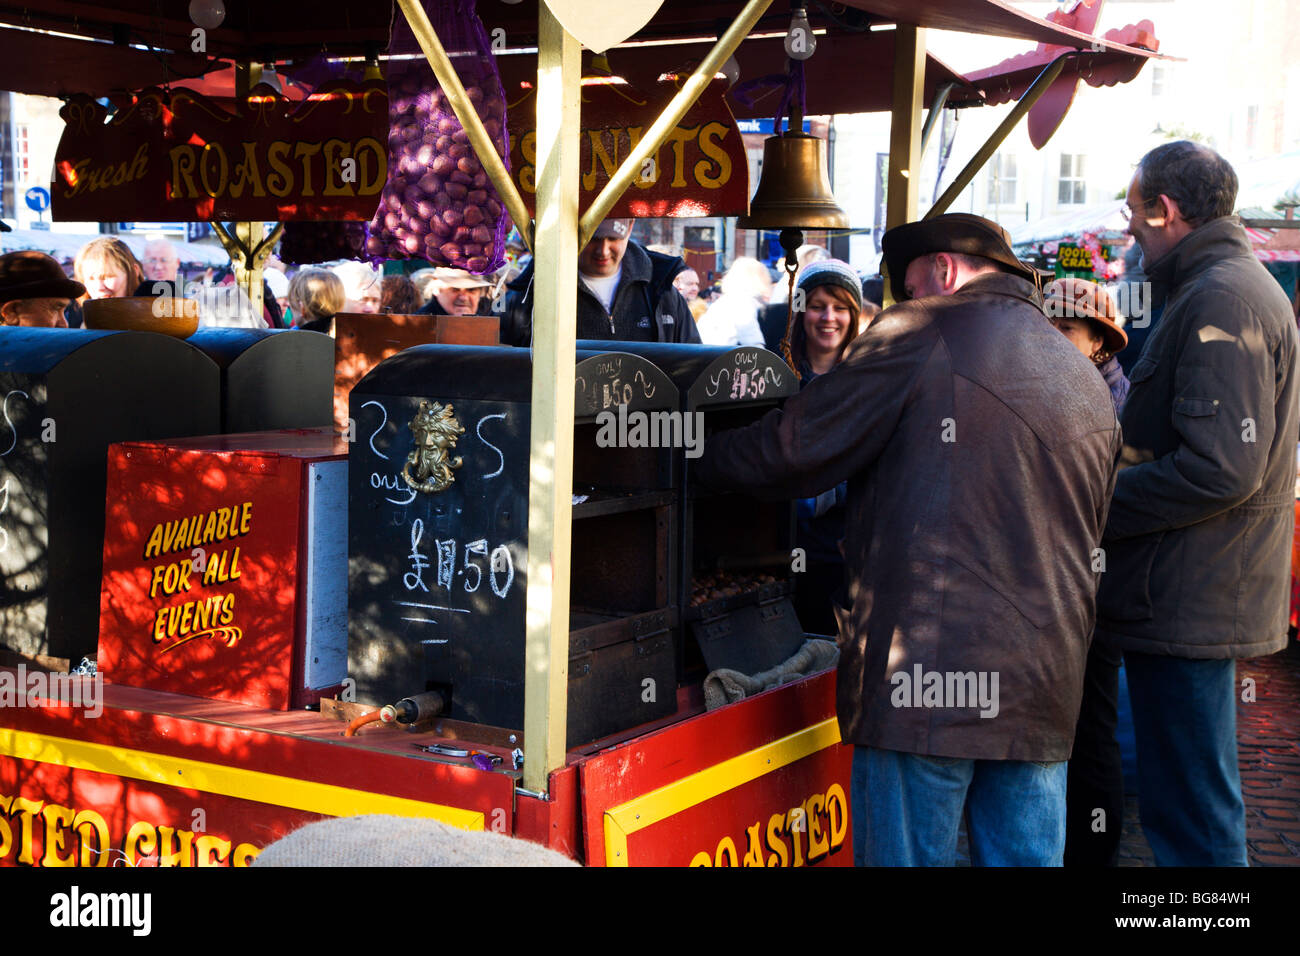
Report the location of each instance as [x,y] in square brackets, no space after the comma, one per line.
[1023,105]
[468,116]
[550,494]
[905,126]
[657,134]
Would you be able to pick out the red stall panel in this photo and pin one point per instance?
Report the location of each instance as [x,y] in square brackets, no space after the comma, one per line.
[225,568]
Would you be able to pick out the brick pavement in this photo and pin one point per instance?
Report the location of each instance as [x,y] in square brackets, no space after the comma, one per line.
[1268,747]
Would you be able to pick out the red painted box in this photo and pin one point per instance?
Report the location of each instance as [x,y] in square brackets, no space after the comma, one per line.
[225,566]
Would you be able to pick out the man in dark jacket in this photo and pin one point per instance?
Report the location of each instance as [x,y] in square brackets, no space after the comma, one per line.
[1199,536]
[625,292]
[979,446]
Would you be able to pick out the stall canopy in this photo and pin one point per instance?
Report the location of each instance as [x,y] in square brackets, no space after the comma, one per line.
[1097,218]
[1272,245]
[642,65]
[131,44]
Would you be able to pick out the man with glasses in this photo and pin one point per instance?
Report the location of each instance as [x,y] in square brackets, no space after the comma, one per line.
[1199,532]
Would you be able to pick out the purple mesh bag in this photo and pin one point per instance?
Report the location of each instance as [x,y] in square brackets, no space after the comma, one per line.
[438,204]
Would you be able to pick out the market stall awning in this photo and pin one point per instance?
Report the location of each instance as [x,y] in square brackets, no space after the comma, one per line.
[872,52]
[43,65]
[1009,79]
[1098,218]
[1272,245]
[266,30]
[990,17]
[642,66]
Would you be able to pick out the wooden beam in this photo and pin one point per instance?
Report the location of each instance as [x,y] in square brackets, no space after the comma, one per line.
[550,494]
[999,135]
[905,126]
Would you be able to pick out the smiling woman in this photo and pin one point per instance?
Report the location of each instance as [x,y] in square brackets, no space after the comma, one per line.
[108,269]
[831,295]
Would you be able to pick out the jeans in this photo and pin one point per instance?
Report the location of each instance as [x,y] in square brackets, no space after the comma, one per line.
[1189,787]
[907,809]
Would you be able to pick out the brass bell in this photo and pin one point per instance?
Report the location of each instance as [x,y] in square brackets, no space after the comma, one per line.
[794,190]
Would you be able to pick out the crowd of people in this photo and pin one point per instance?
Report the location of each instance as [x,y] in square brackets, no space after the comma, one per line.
[303,297]
[984,494]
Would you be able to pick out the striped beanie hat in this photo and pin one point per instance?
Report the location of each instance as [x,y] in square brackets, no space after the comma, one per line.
[831,272]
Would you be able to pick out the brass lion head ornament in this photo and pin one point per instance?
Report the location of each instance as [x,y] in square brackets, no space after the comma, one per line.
[429,467]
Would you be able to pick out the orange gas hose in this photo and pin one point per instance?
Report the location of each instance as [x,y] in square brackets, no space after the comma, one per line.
[361,721]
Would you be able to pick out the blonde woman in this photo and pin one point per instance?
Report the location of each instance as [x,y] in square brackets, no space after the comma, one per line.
[733,318]
[108,269]
[315,295]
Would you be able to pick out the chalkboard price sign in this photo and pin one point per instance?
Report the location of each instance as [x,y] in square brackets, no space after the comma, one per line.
[435,580]
[607,380]
[744,375]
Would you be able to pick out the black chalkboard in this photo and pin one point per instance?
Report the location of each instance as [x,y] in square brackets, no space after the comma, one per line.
[436,578]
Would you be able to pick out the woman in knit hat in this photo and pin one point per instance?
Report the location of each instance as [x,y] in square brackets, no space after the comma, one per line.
[828,322]
[1085,314]
[830,294]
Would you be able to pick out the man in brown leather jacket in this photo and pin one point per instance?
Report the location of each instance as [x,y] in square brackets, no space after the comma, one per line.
[979,446]
[1199,536]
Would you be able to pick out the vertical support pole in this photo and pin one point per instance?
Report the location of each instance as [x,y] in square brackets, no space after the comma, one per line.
[248,274]
[550,496]
[905,125]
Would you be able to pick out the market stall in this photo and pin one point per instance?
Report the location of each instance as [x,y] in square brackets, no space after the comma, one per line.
[192,755]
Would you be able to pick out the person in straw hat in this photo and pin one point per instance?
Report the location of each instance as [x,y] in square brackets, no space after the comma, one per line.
[1085,314]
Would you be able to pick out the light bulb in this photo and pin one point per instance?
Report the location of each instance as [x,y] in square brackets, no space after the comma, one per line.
[800,43]
[731,70]
[207,13]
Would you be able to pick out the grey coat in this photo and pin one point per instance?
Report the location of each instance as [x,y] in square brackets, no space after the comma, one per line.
[979,446]
[1198,543]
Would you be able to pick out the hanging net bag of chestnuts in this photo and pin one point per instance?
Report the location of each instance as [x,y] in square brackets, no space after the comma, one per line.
[438,204]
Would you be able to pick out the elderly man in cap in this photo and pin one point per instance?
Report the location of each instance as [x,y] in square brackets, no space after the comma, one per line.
[624,292]
[34,290]
[455,292]
[979,446]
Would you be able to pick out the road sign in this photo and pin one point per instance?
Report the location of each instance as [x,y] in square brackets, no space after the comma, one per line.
[38,199]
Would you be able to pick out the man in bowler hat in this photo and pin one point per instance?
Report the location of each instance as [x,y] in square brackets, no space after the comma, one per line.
[979,448]
[34,291]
